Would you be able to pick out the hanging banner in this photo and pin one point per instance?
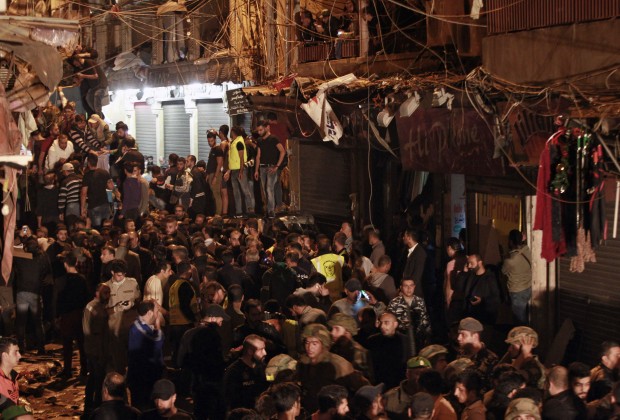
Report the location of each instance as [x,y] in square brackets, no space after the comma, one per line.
[321,112]
[440,140]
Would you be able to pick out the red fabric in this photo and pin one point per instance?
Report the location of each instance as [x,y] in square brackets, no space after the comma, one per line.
[280,131]
[550,250]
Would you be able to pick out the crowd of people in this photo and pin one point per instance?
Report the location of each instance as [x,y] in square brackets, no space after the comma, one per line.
[169,297]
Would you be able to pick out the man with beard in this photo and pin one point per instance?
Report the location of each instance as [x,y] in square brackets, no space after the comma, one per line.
[164,396]
[245,379]
[95,327]
[202,355]
[343,329]
[389,351]
[472,348]
[333,403]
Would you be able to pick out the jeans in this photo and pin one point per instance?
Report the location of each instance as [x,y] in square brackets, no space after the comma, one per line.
[520,302]
[94,98]
[278,189]
[28,303]
[268,182]
[241,186]
[99,214]
[72,209]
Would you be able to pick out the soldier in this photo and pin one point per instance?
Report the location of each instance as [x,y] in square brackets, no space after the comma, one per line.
[522,340]
[471,347]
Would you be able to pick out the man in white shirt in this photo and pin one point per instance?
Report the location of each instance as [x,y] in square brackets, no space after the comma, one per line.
[155,285]
[60,150]
[124,293]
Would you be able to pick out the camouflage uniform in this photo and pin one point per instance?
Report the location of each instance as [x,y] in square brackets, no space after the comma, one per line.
[484,362]
[398,306]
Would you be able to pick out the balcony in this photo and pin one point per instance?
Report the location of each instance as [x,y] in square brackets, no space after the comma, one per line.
[511,16]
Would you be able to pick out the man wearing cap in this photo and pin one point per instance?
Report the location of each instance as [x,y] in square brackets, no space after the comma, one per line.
[522,340]
[164,396]
[355,300]
[398,399]
[245,378]
[522,409]
[319,367]
[410,310]
[471,347]
[145,353]
[69,192]
[201,354]
[422,406]
[343,329]
[437,355]
[367,403]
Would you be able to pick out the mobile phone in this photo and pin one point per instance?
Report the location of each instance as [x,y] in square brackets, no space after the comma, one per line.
[25,229]
[364,294]
[473,299]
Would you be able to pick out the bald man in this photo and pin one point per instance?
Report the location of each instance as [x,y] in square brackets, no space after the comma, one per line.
[562,404]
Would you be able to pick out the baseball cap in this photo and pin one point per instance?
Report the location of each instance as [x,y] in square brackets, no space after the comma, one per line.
[517,333]
[422,404]
[278,364]
[345,321]
[68,167]
[163,390]
[216,311]
[353,285]
[521,406]
[418,362]
[471,325]
[433,350]
[369,392]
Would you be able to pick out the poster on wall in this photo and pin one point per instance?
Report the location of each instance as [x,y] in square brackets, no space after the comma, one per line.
[454,141]
[497,216]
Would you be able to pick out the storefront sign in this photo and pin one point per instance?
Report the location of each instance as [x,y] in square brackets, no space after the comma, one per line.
[237,102]
[504,213]
[454,141]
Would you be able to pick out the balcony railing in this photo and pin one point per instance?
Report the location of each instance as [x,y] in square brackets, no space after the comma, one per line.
[511,15]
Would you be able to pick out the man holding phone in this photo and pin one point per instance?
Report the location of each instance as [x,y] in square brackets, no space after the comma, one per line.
[482,297]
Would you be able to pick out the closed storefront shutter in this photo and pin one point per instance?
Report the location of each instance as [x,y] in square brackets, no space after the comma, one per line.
[176,129]
[146,128]
[592,298]
[324,179]
[210,115]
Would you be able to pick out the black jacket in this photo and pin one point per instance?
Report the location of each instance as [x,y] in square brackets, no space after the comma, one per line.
[115,410]
[564,406]
[414,268]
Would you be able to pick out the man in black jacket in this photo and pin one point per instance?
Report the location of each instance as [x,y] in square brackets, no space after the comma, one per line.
[562,404]
[416,258]
[114,395]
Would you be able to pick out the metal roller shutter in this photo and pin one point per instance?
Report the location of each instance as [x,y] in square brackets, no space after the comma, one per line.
[592,298]
[210,115]
[325,179]
[146,130]
[176,129]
